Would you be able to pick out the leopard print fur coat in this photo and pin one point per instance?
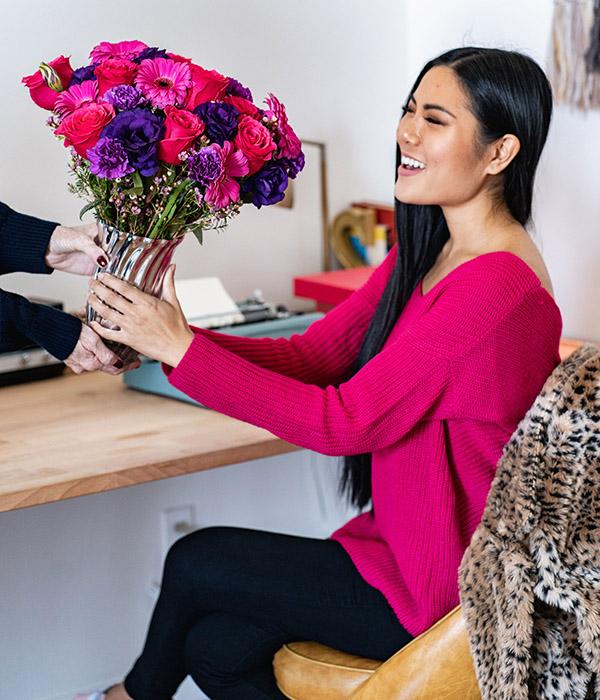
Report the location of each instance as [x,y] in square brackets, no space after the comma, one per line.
[530,579]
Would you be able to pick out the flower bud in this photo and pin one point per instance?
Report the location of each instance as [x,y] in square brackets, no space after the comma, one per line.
[51,78]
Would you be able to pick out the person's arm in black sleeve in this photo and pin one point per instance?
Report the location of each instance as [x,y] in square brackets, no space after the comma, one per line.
[56,331]
[23,244]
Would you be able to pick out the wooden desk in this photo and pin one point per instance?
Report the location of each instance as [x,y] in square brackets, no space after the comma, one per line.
[77,435]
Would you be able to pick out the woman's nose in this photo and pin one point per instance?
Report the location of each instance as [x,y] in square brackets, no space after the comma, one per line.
[408,134]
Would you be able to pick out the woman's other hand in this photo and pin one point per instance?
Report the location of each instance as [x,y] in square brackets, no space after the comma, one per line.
[75,249]
[154,327]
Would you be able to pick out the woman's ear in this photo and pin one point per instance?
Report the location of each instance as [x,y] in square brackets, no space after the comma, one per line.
[503,152]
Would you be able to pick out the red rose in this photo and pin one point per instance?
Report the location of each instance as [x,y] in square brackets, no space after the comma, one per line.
[41,94]
[242,105]
[82,128]
[114,71]
[177,58]
[255,142]
[207,85]
[182,128]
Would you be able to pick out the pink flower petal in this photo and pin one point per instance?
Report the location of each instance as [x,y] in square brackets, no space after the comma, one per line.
[222,192]
[75,97]
[237,165]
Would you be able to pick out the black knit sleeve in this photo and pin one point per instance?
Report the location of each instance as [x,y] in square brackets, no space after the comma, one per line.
[20,319]
[23,242]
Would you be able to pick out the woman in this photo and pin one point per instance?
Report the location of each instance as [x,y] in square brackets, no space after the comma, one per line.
[418,379]
[29,244]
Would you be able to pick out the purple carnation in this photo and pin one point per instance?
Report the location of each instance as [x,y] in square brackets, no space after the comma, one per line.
[82,74]
[108,159]
[236,89]
[205,165]
[150,52]
[124,97]
[267,186]
[139,130]
[220,119]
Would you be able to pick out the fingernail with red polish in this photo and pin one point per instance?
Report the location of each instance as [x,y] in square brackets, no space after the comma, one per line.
[102,261]
[119,364]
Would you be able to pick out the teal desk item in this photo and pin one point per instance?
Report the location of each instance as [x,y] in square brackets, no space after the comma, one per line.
[150,378]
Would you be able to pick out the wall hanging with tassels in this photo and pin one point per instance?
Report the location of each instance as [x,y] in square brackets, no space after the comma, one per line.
[575,61]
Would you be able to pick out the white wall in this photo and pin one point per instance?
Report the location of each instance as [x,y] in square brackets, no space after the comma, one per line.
[74,575]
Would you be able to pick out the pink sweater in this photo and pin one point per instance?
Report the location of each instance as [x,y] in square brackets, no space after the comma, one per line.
[459,370]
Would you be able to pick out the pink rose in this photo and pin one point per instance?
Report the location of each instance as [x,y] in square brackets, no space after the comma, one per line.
[41,94]
[242,105]
[115,71]
[255,142]
[182,128]
[207,85]
[82,128]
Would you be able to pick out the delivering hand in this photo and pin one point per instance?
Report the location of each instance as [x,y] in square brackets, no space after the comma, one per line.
[90,354]
[154,327]
[75,250]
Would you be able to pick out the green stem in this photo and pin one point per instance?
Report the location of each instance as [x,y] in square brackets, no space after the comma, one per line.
[169,209]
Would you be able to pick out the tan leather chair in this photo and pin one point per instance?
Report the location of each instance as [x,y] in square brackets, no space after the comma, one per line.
[436,665]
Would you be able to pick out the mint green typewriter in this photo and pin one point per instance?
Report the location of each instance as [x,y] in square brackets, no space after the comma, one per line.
[256,319]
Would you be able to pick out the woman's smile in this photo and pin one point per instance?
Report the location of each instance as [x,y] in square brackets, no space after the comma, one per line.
[410,166]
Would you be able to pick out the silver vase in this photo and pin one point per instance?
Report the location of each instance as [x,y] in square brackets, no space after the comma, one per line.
[137,260]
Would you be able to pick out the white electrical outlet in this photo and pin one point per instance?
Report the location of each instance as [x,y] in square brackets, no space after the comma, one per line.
[176,522]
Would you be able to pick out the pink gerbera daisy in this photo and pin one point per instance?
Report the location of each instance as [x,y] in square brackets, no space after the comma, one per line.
[163,82]
[122,49]
[75,97]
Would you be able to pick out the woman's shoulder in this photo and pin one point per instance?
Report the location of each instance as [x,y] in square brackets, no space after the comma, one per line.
[489,289]
[510,272]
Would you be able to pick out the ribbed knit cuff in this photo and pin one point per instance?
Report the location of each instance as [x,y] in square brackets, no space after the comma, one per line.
[56,331]
[24,243]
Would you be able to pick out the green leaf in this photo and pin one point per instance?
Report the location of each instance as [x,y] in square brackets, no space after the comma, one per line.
[197,231]
[138,185]
[89,206]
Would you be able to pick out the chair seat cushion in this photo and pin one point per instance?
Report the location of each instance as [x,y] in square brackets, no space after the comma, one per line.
[311,670]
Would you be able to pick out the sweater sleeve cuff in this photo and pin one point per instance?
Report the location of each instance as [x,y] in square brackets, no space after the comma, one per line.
[187,369]
[56,331]
[24,243]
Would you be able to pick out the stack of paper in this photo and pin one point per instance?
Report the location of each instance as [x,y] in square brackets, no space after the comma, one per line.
[206,303]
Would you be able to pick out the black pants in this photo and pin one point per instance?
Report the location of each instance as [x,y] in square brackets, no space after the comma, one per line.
[231,597]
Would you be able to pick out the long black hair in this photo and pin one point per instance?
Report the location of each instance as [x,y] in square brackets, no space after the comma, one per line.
[508,94]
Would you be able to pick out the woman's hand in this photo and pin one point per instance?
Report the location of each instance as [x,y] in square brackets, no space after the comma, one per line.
[154,327]
[75,250]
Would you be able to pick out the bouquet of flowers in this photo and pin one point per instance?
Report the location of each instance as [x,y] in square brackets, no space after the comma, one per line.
[160,145]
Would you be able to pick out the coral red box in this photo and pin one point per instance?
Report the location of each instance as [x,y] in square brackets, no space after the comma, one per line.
[331,288]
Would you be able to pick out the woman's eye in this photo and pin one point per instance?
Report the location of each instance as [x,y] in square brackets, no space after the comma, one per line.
[431,120]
